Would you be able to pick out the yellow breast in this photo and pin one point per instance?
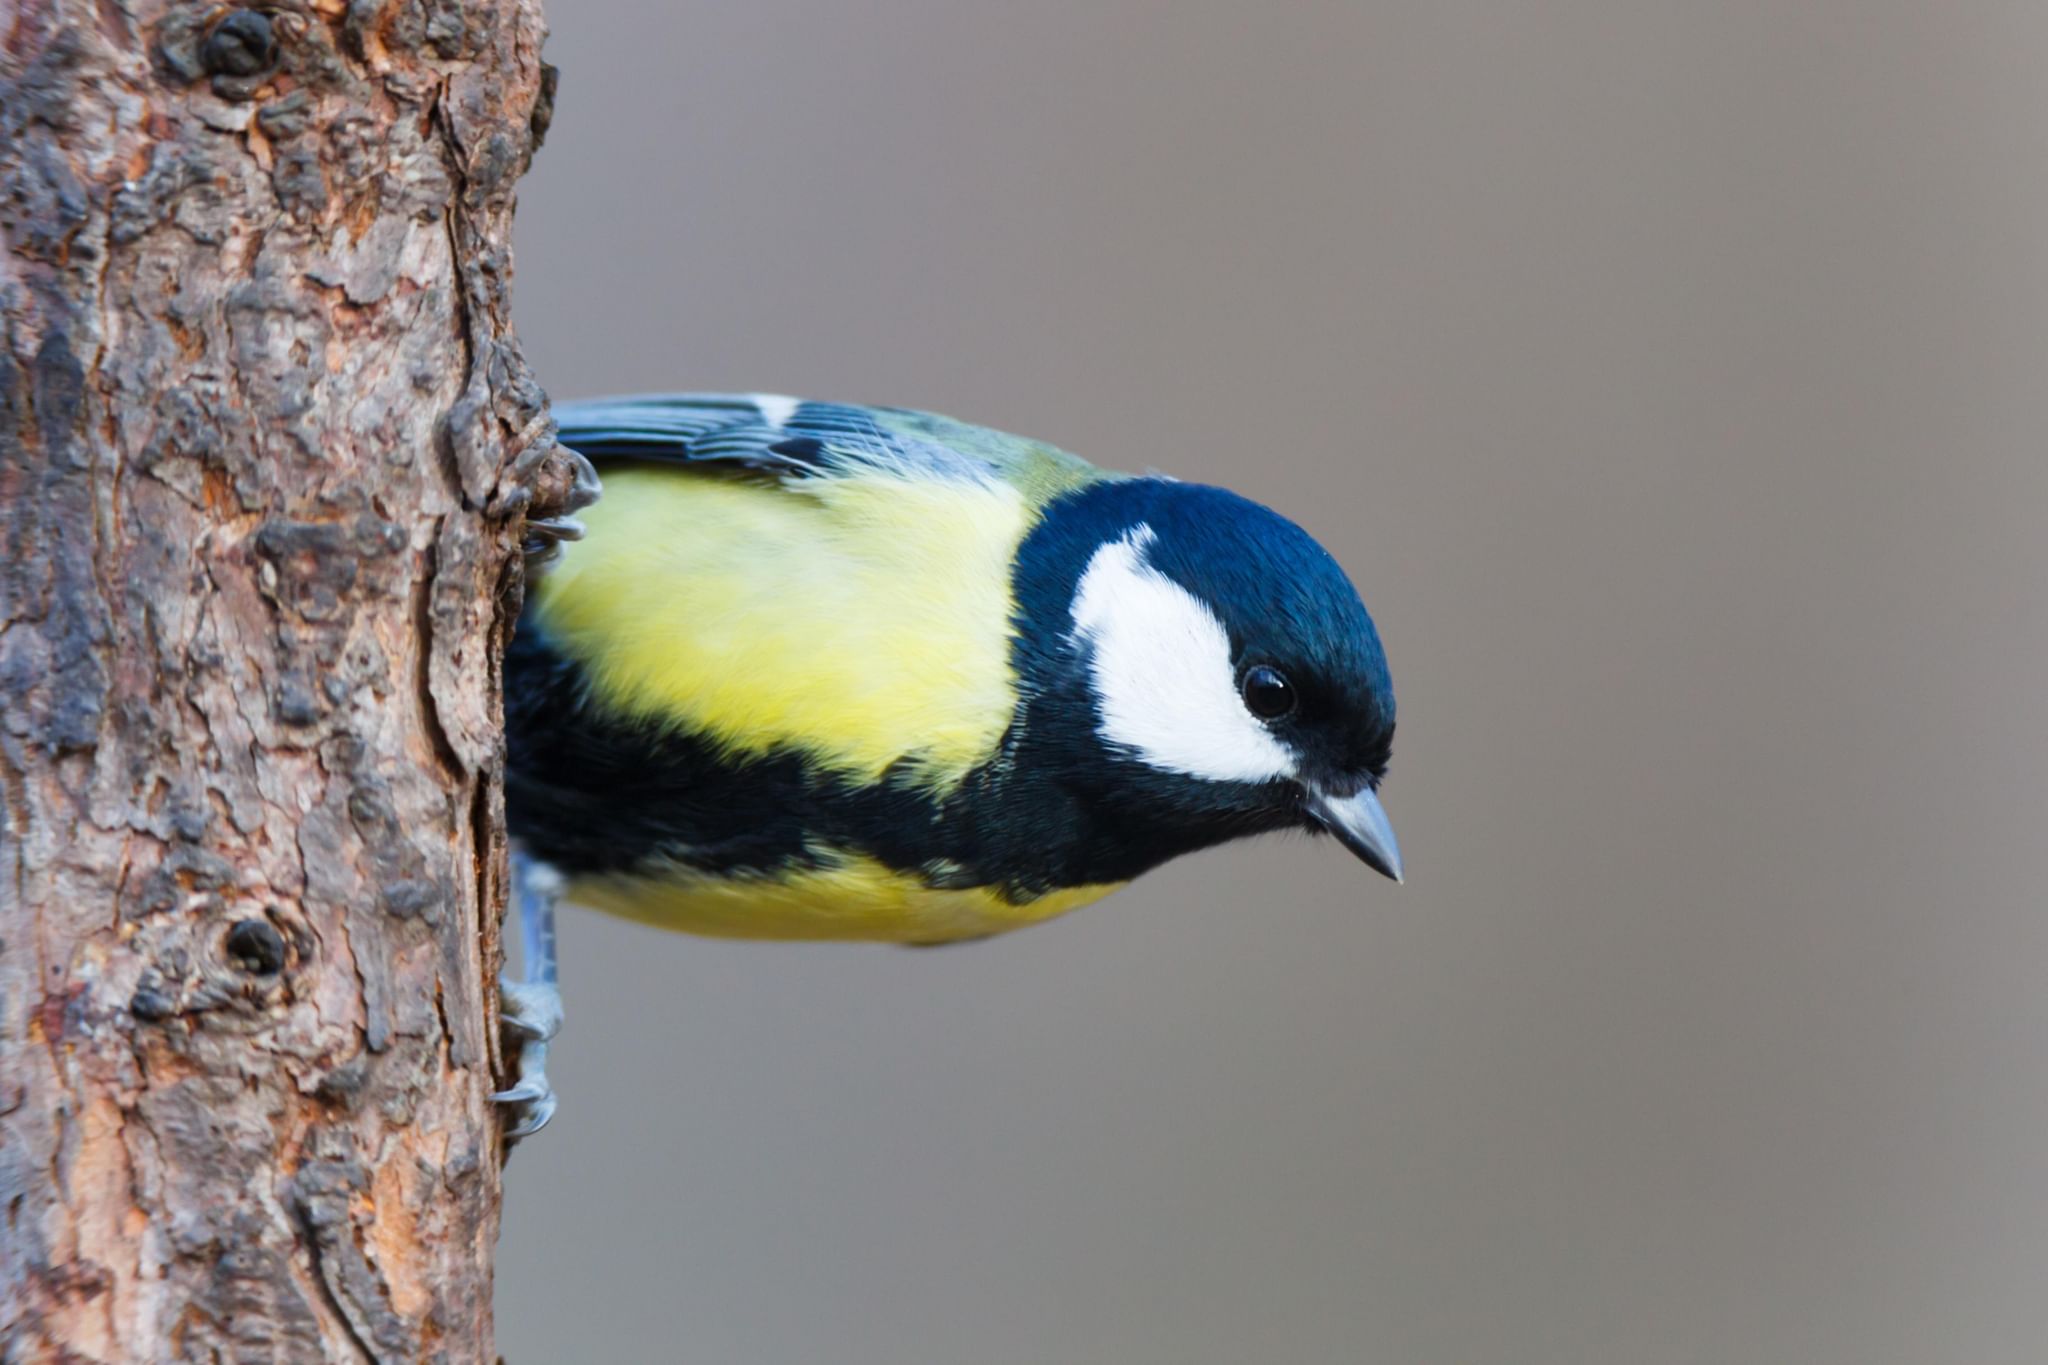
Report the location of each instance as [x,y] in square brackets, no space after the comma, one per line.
[852,898]
[864,621]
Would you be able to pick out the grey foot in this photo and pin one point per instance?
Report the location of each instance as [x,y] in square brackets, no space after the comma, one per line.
[531,1012]
[542,545]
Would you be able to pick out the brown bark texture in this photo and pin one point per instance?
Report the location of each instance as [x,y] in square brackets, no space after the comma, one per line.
[265,445]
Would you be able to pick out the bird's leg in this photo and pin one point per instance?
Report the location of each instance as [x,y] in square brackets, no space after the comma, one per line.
[531,1007]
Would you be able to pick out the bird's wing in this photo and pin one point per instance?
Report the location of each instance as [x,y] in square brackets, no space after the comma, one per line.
[791,439]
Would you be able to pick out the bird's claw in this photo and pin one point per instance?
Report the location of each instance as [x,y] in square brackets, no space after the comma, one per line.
[531,1099]
[585,487]
[525,1091]
[542,542]
[534,1118]
[531,1011]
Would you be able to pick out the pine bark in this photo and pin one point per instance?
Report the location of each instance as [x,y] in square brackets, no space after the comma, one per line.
[266,440]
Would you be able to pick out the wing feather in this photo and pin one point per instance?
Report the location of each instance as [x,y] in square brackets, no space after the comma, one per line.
[792,439]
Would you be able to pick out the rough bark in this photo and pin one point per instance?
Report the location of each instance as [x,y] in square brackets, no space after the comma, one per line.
[265,440]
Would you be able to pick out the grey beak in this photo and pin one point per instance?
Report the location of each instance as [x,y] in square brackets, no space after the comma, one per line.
[1361,825]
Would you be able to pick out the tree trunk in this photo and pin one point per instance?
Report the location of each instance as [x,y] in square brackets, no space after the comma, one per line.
[265,441]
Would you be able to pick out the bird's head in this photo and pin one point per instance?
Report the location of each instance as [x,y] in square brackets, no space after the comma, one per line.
[1197,667]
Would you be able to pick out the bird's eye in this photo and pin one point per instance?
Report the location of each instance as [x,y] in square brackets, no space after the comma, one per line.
[1267,693]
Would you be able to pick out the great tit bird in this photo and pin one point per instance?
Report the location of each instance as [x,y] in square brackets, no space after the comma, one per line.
[821,671]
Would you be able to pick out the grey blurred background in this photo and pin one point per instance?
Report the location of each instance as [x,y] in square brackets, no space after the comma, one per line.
[1671,379]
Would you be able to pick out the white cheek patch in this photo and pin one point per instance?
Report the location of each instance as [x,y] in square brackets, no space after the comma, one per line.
[1159,662]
